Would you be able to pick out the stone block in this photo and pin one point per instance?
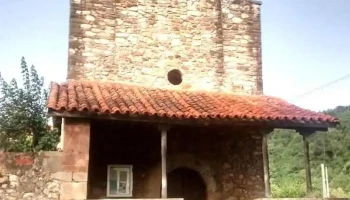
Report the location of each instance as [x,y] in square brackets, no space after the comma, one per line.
[10,198]
[80,176]
[74,168]
[75,159]
[24,160]
[52,161]
[73,191]
[13,178]
[28,195]
[85,26]
[53,186]
[62,176]
[90,18]
[3,179]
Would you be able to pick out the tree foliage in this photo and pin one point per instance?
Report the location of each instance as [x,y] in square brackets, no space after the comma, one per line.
[331,148]
[23,122]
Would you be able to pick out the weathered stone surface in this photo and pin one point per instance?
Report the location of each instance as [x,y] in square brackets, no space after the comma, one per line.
[80,176]
[27,195]
[40,176]
[3,179]
[62,176]
[29,182]
[26,187]
[10,198]
[52,161]
[140,44]
[13,178]
[73,190]
[76,146]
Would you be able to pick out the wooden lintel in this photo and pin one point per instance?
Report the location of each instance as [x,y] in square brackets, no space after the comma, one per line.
[266,131]
[306,131]
[163,127]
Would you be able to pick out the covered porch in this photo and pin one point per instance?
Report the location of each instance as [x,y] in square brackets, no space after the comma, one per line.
[197,162]
[160,137]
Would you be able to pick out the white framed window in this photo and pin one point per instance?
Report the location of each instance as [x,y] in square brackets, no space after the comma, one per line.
[119,181]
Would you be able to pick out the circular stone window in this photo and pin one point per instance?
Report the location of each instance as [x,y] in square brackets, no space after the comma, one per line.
[175,76]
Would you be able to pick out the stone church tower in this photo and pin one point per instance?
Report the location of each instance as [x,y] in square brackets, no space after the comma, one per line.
[141,117]
[211,45]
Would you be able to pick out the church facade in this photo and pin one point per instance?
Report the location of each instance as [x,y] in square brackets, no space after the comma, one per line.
[164,99]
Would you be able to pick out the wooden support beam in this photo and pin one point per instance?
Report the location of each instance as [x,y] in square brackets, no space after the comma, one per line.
[285,124]
[307,165]
[164,172]
[164,131]
[305,133]
[266,163]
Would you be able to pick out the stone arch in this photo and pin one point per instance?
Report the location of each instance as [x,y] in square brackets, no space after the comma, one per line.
[192,162]
[184,160]
[186,183]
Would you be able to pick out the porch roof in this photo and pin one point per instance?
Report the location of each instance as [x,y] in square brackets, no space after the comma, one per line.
[127,102]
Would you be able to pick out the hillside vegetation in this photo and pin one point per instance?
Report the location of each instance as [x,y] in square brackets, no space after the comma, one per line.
[331,148]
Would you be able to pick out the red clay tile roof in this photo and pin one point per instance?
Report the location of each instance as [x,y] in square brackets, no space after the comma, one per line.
[118,99]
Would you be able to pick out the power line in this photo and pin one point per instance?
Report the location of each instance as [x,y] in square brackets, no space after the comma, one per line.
[323,86]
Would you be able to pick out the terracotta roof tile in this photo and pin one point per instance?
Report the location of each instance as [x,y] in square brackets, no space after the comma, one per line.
[113,98]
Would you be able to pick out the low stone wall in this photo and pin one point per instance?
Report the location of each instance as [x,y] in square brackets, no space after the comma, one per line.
[30,176]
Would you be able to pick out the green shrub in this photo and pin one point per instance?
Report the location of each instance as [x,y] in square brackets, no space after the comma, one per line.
[289,188]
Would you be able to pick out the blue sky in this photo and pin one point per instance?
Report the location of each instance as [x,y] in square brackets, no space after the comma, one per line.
[306,44]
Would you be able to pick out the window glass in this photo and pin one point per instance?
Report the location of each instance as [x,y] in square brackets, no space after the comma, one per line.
[113,187]
[119,181]
[113,174]
[122,188]
[123,175]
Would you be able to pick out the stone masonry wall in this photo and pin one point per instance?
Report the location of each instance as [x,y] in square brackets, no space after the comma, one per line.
[75,159]
[214,43]
[49,175]
[30,177]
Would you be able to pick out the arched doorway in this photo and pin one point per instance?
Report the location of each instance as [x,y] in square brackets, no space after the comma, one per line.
[186,183]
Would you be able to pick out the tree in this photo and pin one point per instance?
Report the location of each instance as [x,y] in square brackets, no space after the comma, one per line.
[23,122]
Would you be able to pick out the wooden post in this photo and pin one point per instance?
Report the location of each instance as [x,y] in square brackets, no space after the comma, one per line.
[307,164]
[60,146]
[266,164]
[324,190]
[327,183]
[164,130]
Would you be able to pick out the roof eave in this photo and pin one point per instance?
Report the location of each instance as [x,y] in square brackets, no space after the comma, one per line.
[281,124]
